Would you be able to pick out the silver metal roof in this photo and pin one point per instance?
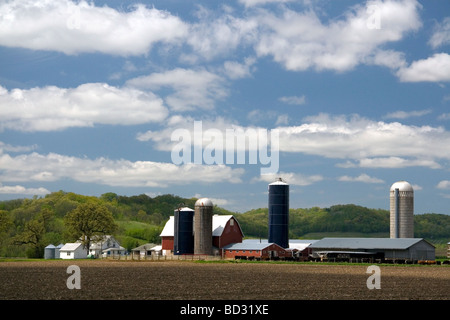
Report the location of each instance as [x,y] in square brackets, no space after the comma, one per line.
[299,244]
[402,186]
[70,246]
[247,246]
[365,243]
[203,202]
[146,246]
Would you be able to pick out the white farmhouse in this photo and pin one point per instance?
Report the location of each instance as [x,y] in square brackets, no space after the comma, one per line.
[102,244]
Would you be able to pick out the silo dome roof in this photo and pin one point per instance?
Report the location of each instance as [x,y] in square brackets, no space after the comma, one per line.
[184,209]
[402,186]
[205,202]
[279,181]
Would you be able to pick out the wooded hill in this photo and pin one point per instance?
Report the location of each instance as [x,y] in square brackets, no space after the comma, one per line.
[28,225]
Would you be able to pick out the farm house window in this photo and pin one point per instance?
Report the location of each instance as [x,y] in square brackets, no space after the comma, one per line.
[232,222]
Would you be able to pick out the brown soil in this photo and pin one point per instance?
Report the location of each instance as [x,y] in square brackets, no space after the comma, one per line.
[184,280]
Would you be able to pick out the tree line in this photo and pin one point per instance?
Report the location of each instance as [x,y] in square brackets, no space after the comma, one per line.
[27,226]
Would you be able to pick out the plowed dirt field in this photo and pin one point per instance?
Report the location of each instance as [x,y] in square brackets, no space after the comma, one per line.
[175,280]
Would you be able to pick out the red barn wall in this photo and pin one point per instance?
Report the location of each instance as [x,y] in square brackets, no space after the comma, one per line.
[231,233]
[167,243]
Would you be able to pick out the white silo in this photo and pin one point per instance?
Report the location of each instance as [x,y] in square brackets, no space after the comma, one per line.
[401,210]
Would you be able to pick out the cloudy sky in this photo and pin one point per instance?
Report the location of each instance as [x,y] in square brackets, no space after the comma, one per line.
[94,96]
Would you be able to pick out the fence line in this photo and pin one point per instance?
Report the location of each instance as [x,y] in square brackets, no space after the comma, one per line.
[138,257]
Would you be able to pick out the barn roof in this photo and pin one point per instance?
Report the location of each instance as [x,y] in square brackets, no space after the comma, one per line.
[219,223]
[70,246]
[146,246]
[247,246]
[366,243]
[168,230]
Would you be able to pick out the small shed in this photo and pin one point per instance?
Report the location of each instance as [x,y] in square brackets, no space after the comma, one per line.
[73,251]
[144,250]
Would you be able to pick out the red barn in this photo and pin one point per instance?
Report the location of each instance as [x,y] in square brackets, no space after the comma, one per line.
[225,230]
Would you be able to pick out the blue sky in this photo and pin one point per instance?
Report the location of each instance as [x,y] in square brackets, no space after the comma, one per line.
[91,94]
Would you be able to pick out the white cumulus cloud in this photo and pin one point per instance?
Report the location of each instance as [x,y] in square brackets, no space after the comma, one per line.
[291,178]
[441,34]
[444,184]
[54,167]
[407,114]
[297,100]
[355,137]
[300,40]
[433,69]
[53,108]
[190,89]
[18,189]
[361,178]
[74,27]
[391,162]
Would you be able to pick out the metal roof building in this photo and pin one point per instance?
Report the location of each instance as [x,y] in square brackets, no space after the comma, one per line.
[299,244]
[406,249]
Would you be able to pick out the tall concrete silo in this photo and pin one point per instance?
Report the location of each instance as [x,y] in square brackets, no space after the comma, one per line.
[401,210]
[279,213]
[183,235]
[203,226]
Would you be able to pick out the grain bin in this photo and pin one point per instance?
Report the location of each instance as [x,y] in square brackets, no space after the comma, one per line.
[203,226]
[183,231]
[279,213]
[49,252]
[401,210]
[58,247]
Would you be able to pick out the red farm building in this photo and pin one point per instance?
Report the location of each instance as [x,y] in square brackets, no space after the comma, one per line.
[256,250]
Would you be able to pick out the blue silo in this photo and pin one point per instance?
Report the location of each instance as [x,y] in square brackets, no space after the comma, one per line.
[279,213]
[183,240]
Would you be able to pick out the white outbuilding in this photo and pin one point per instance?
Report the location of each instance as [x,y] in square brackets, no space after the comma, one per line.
[73,251]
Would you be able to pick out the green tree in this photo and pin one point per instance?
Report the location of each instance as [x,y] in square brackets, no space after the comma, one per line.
[5,221]
[5,225]
[88,222]
[32,235]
